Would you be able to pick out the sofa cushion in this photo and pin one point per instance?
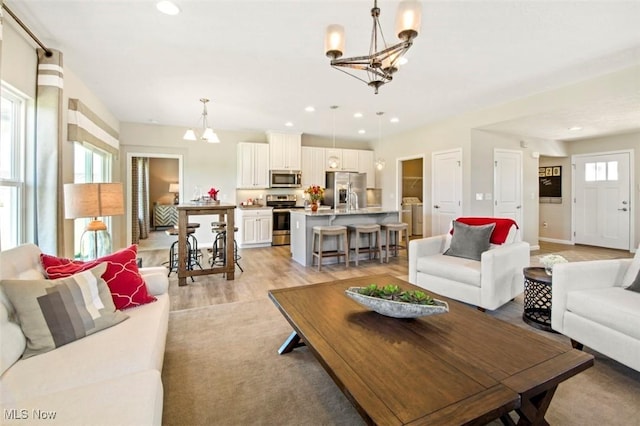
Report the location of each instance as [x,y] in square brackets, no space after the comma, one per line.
[612,307]
[469,241]
[53,313]
[127,286]
[453,268]
[633,271]
[134,345]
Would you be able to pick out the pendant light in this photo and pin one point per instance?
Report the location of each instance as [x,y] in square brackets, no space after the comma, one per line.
[380,163]
[333,162]
[208,135]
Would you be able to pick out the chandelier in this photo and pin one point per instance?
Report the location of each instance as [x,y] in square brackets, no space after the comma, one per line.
[383,60]
[208,134]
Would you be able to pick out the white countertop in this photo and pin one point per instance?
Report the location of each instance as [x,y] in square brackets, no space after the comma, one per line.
[341,212]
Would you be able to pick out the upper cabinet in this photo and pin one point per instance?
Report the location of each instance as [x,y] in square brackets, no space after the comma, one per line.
[285,151]
[365,165]
[313,166]
[347,159]
[253,165]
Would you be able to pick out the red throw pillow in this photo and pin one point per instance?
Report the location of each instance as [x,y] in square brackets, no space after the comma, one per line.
[128,289]
[500,232]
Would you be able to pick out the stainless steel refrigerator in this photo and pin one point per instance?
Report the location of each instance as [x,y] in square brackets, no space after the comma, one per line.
[346,190]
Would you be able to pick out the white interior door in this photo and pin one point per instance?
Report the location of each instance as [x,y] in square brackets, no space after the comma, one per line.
[507,185]
[446,190]
[602,205]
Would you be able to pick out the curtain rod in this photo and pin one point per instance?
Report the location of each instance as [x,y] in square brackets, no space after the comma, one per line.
[27,30]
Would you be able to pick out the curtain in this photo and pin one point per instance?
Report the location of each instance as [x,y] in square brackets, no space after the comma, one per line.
[140,199]
[49,207]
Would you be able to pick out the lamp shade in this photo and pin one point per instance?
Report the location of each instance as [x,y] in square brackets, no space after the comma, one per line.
[174,187]
[334,41]
[93,200]
[408,19]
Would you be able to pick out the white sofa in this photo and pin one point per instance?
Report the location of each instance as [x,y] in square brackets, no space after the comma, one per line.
[590,305]
[487,284]
[111,377]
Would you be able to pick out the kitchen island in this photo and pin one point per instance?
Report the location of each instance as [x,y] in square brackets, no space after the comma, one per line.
[303,221]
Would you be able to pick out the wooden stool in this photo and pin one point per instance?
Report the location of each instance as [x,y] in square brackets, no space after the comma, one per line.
[370,229]
[327,231]
[189,225]
[396,230]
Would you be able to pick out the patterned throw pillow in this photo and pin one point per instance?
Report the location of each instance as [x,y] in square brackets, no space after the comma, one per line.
[635,285]
[53,313]
[128,289]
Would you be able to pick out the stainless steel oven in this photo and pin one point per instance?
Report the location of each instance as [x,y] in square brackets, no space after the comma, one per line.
[282,205]
[285,179]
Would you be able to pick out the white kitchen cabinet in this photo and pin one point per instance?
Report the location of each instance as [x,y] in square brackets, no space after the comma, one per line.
[255,227]
[285,151]
[366,165]
[349,160]
[313,166]
[253,165]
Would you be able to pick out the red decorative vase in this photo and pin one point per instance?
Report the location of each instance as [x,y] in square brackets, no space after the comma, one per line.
[314,207]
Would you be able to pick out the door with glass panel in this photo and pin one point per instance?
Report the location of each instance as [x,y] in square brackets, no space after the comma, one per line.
[602,205]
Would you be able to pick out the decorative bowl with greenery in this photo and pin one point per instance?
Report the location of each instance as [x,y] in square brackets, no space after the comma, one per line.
[392,301]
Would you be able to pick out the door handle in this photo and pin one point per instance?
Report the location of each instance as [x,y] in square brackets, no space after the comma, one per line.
[518,207]
[436,206]
[624,209]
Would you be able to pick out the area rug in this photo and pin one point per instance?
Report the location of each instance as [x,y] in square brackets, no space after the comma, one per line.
[221,367]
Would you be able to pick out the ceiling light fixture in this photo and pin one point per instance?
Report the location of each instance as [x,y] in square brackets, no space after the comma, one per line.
[380,163]
[382,61]
[575,129]
[357,115]
[394,120]
[362,131]
[333,161]
[167,7]
[310,109]
[208,134]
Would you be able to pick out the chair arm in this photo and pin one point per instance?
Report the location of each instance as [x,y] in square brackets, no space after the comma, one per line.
[156,279]
[501,271]
[574,276]
[424,247]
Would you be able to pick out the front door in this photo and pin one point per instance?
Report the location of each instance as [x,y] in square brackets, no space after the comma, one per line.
[602,200]
[447,189]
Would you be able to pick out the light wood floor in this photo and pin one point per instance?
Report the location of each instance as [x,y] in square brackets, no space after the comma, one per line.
[272,267]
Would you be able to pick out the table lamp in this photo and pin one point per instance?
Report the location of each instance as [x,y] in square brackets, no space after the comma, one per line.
[95,200]
[175,189]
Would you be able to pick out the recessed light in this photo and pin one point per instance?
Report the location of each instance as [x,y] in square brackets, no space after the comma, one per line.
[394,119]
[288,124]
[310,108]
[362,131]
[167,7]
[575,129]
[357,115]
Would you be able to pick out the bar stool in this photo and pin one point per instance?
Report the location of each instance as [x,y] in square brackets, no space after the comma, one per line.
[219,252]
[327,231]
[369,229]
[395,230]
[192,251]
[195,255]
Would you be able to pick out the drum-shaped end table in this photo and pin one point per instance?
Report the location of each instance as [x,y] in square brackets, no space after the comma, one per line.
[537,298]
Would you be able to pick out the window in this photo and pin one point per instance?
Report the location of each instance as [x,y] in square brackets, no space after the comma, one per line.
[601,171]
[90,165]
[12,164]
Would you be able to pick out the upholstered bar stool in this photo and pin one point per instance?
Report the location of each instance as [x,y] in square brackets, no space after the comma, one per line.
[328,231]
[394,231]
[371,230]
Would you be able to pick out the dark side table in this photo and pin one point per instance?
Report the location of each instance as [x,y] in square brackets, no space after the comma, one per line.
[537,298]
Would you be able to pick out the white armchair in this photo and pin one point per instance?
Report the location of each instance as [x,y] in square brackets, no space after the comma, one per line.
[591,306]
[488,284]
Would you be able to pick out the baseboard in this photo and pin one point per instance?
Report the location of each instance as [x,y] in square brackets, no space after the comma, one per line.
[554,240]
[534,248]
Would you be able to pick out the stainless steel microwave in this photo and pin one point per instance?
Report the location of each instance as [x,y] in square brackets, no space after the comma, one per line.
[285,179]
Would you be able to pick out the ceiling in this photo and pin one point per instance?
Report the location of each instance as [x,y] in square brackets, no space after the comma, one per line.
[262,62]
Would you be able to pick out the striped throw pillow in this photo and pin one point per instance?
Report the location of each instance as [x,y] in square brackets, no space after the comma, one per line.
[53,313]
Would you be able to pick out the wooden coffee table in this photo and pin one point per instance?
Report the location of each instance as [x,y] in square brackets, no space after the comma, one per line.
[462,367]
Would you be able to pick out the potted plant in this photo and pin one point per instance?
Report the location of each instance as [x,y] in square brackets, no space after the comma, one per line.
[392,301]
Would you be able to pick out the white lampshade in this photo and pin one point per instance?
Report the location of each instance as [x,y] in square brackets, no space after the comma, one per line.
[174,187]
[189,135]
[334,41]
[210,136]
[408,19]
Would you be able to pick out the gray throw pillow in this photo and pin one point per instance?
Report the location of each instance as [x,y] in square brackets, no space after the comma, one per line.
[635,285]
[469,241]
[53,313]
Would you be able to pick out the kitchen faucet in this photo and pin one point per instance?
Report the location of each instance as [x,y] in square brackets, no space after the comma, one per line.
[351,197]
